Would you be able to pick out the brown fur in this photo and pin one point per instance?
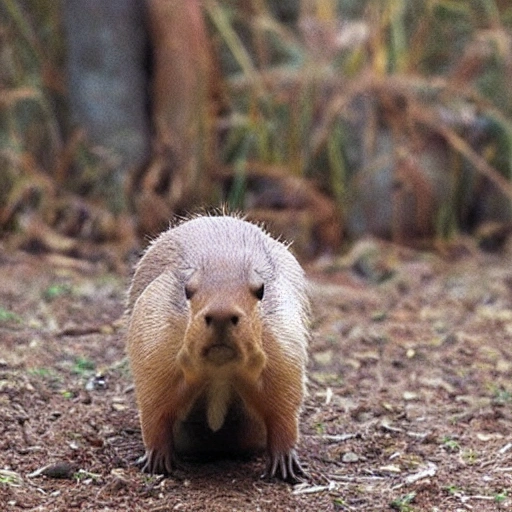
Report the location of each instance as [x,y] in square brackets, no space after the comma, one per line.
[217,343]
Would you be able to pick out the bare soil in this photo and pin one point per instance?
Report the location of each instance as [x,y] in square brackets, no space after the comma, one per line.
[409,406]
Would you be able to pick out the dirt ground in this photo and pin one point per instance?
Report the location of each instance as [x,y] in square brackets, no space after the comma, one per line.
[409,406]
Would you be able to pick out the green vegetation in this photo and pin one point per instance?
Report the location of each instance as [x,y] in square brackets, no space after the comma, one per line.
[10,478]
[83,366]
[8,316]
[453,489]
[396,73]
[340,503]
[83,475]
[57,290]
[501,395]
[403,503]
[470,456]
[500,497]
[320,428]
[450,444]
[411,97]
[45,373]
[31,143]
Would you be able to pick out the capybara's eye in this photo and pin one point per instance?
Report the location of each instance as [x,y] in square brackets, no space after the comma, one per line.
[188,292]
[258,292]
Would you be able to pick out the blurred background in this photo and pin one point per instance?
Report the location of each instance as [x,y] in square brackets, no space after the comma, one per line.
[326,119]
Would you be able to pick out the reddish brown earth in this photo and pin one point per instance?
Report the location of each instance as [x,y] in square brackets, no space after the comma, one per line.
[409,407]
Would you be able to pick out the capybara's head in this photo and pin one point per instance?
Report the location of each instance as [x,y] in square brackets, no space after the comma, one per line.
[224,332]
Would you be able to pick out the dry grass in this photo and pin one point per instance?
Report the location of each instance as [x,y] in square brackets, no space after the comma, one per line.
[418,71]
[339,95]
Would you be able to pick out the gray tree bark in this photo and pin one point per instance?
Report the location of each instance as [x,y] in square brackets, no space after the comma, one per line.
[107,48]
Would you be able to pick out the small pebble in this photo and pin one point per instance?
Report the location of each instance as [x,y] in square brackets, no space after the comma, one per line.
[349,457]
[59,470]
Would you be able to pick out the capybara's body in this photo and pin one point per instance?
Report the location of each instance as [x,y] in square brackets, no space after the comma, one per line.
[217,342]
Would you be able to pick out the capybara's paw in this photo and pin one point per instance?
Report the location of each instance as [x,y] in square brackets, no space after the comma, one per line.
[157,462]
[286,467]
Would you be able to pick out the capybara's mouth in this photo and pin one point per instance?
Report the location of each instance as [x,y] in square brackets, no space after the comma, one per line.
[219,354]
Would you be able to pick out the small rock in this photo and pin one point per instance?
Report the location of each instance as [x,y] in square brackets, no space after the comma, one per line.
[86,398]
[107,329]
[117,482]
[503,366]
[323,358]
[59,470]
[98,382]
[349,457]
[379,316]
